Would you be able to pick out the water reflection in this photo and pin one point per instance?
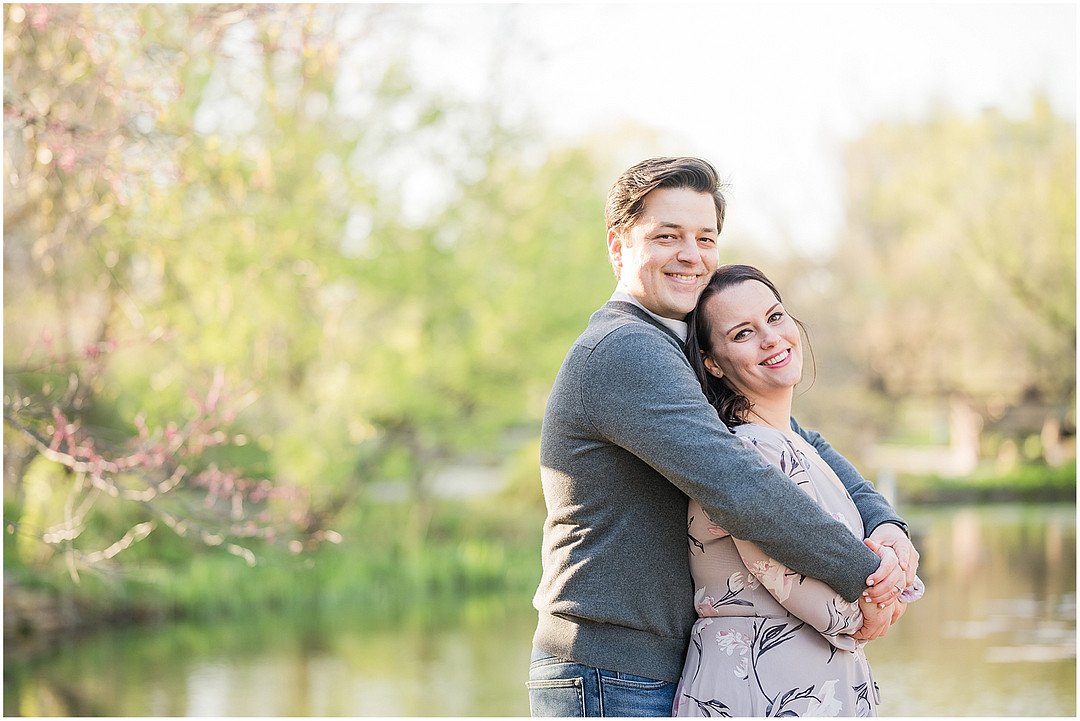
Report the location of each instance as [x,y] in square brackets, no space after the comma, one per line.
[994,636]
[467,661]
[995,633]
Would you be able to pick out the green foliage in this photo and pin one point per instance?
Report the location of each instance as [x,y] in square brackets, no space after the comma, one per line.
[952,285]
[1031,483]
[246,169]
[472,550]
[961,245]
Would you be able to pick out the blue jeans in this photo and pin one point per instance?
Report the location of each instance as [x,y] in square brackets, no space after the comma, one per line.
[563,688]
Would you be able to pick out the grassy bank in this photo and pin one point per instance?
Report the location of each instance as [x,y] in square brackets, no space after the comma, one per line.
[384,564]
[390,559]
[1026,484]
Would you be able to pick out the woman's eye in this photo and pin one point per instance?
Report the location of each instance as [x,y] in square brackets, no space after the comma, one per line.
[744,333]
[776,316]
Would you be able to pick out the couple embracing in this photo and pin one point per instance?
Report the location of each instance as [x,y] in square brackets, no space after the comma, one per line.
[703,555]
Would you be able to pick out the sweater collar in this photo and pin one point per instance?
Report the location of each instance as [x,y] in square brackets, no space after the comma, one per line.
[677,327]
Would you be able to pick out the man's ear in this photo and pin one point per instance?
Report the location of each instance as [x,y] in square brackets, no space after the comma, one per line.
[614,250]
[714,370]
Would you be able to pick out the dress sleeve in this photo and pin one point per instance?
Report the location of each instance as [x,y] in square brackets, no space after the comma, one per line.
[806,598]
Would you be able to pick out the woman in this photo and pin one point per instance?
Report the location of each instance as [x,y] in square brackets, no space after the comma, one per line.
[768,642]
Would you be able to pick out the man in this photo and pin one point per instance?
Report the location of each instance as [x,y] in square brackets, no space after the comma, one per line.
[627,437]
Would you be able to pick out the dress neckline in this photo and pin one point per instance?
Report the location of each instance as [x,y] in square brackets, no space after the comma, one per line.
[813,458]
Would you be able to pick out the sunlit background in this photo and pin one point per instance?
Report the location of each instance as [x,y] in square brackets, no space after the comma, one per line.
[286,287]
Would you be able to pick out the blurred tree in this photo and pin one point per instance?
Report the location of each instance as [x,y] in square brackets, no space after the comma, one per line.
[86,98]
[955,279]
[260,193]
[498,287]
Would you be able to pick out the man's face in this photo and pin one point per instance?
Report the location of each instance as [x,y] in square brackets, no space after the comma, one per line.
[665,259]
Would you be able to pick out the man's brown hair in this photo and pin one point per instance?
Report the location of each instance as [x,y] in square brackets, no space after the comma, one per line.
[626,199]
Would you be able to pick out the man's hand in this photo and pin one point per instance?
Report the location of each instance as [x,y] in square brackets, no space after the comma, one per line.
[891,535]
[888,581]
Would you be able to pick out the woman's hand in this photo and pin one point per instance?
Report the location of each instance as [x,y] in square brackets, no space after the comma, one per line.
[899,607]
[876,619]
[888,581]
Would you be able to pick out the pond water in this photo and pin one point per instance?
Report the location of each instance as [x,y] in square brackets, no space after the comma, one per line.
[995,635]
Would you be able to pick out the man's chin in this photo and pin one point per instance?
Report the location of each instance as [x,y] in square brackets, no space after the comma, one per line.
[676,313]
[686,305]
[673,308]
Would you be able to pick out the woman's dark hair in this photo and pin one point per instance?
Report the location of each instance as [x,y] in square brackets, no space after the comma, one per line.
[731,405]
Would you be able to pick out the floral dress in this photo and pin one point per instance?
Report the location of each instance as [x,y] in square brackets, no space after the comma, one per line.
[768,641]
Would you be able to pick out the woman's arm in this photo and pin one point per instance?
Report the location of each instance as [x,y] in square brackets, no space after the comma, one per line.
[810,600]
[806,598]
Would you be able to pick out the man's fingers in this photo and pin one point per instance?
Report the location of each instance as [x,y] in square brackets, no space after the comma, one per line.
[904,556]
[891,535]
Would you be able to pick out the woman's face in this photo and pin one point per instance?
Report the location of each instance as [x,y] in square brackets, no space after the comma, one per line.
[755,344]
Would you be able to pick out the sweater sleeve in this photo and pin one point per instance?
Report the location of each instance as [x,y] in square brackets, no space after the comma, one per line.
[872,506]
[639,393]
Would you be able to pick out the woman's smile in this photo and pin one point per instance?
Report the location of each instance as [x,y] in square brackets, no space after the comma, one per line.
[778,359]
[756,345]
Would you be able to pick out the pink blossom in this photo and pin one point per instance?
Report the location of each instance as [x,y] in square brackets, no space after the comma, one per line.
[68,158]
[39,17]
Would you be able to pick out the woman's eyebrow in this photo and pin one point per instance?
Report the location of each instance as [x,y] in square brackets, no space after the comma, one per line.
[746,322]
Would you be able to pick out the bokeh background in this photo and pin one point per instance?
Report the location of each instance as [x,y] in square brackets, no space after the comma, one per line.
[286,287]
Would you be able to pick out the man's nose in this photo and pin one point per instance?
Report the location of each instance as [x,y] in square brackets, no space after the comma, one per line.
[689,252]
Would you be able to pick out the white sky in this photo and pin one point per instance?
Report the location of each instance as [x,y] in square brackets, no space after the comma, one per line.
[767,92]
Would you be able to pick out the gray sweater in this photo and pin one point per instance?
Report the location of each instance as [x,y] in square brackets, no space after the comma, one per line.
[627,437]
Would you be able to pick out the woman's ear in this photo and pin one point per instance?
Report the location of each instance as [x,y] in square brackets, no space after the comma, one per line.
[714,370]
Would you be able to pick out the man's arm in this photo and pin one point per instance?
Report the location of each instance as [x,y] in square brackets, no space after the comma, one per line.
[639,393]
[872,506]
[879,518]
